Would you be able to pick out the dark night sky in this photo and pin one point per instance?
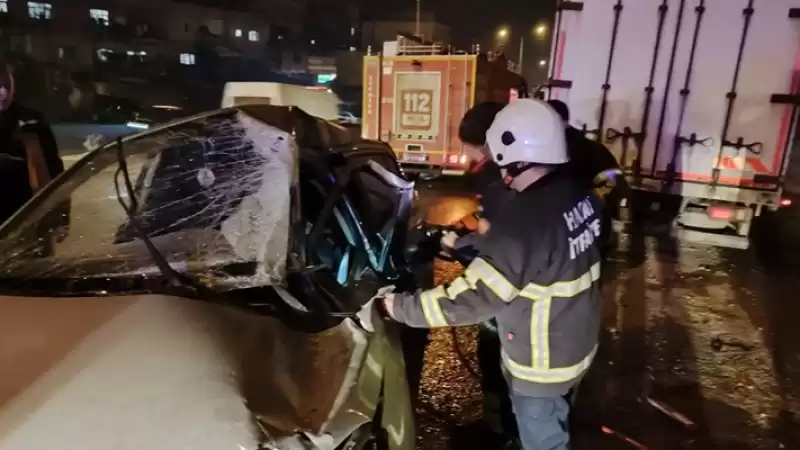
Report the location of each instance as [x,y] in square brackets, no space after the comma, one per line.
[475,21]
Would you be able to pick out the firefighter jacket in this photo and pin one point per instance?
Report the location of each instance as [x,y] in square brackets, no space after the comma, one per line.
[537,273]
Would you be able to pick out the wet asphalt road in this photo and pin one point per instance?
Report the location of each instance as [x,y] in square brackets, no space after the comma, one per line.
[712,333]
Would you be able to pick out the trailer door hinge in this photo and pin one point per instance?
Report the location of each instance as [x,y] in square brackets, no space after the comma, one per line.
[561,84]
[785,99]
[570,6]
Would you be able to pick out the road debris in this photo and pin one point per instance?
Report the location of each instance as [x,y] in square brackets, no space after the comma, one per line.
[720,342]
[671,412]
[624,438]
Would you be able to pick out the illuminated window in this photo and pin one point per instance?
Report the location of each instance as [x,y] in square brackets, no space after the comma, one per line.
[3,6]
[38,10]
[187,59]
[253,35]
[238,32]
[101,16]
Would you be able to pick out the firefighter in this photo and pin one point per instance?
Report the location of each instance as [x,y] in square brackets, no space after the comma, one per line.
[537,273]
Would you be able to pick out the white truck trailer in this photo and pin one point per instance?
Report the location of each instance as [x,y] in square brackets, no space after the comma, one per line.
[697,99]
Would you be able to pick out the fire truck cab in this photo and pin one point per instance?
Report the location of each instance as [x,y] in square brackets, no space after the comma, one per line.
[416,92]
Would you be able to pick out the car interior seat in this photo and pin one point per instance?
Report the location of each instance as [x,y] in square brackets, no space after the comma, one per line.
[368,217]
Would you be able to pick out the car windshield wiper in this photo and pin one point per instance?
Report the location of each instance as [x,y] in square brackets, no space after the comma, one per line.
[174,278]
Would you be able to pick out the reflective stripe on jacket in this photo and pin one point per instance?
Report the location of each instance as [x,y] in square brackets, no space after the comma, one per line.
[537,273]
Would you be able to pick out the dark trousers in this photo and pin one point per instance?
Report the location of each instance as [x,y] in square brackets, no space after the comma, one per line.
[414,341]
[493,381]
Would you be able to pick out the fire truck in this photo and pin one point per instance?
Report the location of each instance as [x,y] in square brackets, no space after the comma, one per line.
[416,92]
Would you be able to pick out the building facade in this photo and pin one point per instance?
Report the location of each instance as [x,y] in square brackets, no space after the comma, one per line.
[149,42]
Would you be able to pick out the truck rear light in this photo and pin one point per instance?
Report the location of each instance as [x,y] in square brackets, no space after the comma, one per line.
[463,160]
[786,202]
[720,212]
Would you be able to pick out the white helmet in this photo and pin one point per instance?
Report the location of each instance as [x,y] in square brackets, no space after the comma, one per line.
[527,131]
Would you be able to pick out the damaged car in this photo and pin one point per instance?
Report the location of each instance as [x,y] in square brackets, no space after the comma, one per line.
[204,296]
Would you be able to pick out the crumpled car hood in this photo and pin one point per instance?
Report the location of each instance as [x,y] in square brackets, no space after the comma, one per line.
[154,372]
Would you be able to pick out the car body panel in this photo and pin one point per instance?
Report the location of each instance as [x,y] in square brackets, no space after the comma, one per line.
[147,372]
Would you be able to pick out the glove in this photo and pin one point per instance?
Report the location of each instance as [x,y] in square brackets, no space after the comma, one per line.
[449,239]
[602,192]
[369,316]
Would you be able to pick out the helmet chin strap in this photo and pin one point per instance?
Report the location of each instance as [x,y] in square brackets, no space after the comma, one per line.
[523,175]
[513,170]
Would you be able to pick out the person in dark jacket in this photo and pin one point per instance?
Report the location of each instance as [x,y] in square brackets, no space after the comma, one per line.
[537,272]
[493,193]
[595,167]
[484,173]
[487,182]
[20,125]
[591,162]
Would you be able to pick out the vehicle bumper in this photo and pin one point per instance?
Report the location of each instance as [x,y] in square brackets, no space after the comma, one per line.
[416,168]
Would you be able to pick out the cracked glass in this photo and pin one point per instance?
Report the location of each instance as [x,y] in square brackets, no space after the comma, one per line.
[212,193]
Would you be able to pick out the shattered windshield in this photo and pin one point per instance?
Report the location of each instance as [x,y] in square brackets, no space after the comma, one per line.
[213,194]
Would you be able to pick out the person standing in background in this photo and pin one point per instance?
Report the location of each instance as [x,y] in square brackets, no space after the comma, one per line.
[29,156]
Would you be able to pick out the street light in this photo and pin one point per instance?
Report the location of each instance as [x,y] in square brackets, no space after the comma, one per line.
[539,31]
[542,62]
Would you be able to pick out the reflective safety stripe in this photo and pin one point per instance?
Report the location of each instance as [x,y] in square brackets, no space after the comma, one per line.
[478,270]
[431,308]
[542,297]
[548,376]
[563,288]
